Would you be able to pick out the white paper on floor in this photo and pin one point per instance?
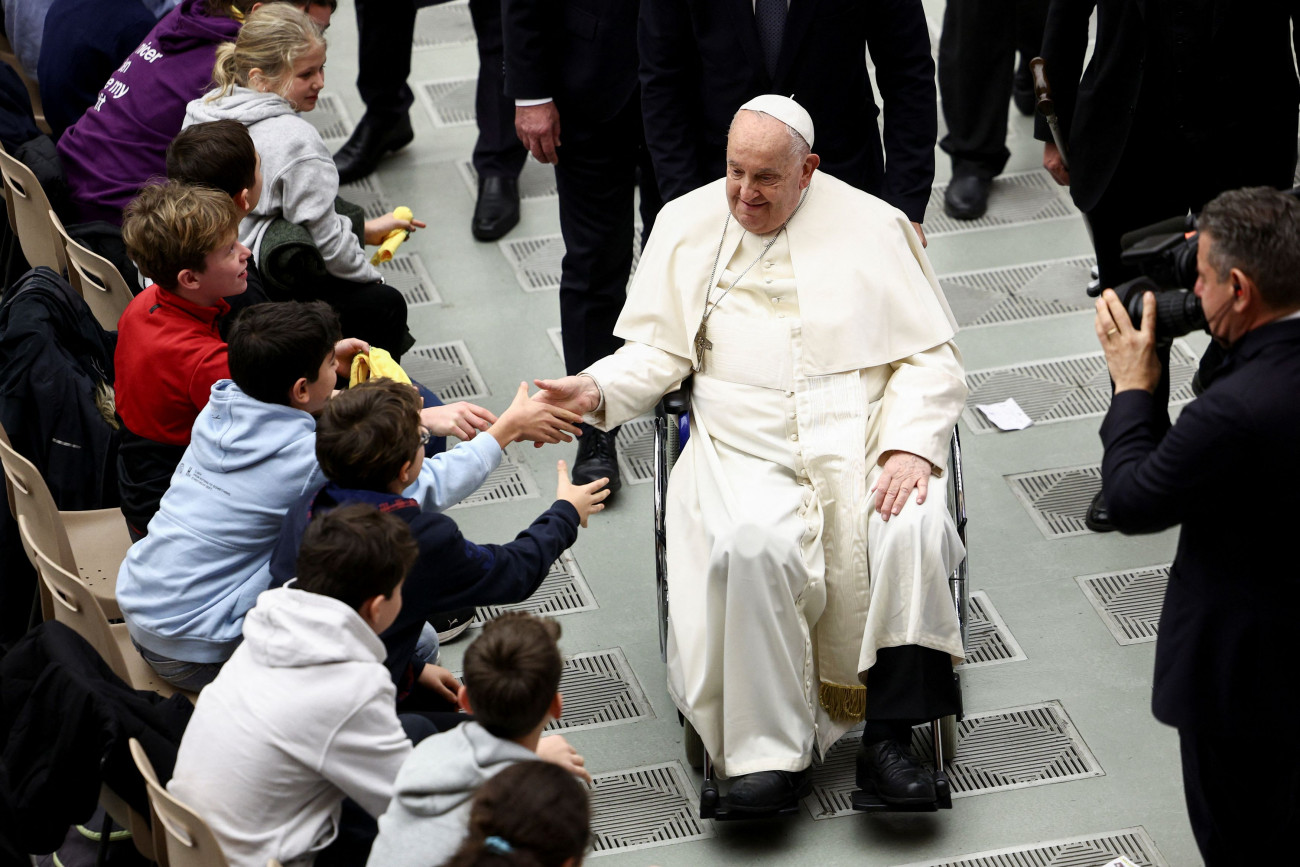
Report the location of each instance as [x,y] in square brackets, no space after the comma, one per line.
[1007,415]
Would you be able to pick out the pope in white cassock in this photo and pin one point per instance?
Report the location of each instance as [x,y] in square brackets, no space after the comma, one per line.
[808,539]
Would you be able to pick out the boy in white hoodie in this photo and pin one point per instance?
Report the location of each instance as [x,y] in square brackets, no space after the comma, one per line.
[512,678]
[303,713]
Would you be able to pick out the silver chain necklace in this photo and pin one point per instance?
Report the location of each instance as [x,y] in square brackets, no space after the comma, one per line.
[702,341]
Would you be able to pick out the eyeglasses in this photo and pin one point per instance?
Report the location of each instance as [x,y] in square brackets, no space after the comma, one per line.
[425,436]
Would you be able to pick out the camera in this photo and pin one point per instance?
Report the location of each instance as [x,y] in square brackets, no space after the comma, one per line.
[1165,253]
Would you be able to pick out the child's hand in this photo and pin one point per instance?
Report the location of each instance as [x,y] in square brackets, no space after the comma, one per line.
[556,750]
[378,228]
[346,350]
[440,680]
[587,499]
[461,419]
[528,419]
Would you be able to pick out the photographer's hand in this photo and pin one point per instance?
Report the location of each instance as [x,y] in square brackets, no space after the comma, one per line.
[1130,352]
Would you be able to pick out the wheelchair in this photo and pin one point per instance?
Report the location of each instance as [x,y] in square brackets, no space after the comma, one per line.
[671,429]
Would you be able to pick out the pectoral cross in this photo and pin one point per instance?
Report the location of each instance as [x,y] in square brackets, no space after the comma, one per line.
[702,343]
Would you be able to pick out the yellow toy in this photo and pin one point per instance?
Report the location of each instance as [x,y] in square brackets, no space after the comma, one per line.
[375,364]
[393,239]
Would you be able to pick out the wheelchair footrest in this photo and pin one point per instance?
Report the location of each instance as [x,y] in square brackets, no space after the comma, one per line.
[869,802]
[724,813]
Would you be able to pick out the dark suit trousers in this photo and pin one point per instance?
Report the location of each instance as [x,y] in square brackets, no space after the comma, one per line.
[596,176]
[1238,816]
[977,59]
[385,31]
[497,152]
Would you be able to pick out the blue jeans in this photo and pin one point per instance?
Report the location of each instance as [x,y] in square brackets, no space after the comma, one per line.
[191,676]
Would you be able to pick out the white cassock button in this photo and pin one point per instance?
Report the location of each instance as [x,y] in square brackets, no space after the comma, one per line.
[794,437]
[767,264]
[789,394]
[780,316]
[792,415]
[768,280]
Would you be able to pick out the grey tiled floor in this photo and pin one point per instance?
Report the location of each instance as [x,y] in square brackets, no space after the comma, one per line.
[486,334]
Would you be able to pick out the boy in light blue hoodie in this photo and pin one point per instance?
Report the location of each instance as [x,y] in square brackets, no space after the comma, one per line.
[185,588]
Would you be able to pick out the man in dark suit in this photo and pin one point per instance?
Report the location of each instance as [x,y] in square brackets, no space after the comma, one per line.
[701,59]
[571,67]
[385,31]
[1168,115]
[1228,472]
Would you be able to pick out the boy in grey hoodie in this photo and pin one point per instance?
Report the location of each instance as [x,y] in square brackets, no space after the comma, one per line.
[303,713]
[511,683]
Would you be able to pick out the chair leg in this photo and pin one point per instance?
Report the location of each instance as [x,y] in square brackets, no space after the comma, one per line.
[105,834]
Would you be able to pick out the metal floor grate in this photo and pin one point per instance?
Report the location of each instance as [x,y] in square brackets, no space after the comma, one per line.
[449,101]
[636,451]
[1015,748]
[563,591]
[1019,292]
[511,480]
[1015,199]
[1064,389]
[537,261]
[330,117]
[536,181]
[644,807]
[1058,499]
[447,370]
[406,273]
[445,24]
[599,690]
[368,195]
[1128,602]
[988,639]
[1094,850]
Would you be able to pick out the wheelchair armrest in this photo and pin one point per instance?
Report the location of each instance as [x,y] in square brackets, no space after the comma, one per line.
[678,402]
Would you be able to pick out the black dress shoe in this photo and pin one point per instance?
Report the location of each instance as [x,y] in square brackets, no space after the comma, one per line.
[597,459]
[1022,89]
[497,210]
[767,791]
[450,625]
[370,141]
[893,774]
[1098,518]
[967,197]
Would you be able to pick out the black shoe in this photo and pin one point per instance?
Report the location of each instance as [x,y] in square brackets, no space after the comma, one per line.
[450,625]
[767,791]
[497,210]
[373,137]
[597,459]
[967,197]
[1098,518]
[893,774]
[1022,89]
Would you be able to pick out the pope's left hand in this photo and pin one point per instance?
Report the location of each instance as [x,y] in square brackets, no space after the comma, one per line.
[440,680]
[920,233]
[346,350]
[902,473]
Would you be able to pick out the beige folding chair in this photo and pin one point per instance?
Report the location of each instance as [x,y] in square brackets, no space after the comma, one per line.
[29,215]
[76,608]
[126,817]
[95,278]
[187,839]
[33,89]
[91,543]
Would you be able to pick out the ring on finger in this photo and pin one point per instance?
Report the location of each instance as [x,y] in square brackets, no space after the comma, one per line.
[1112,331]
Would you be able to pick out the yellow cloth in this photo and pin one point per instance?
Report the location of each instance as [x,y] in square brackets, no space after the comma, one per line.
[376,364]
[393,239]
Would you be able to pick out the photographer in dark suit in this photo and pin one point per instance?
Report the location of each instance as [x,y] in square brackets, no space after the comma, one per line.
[702,59]
[1181,100]
[1229,473]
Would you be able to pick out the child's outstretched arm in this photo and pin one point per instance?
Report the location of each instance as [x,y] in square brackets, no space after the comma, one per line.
[587,499]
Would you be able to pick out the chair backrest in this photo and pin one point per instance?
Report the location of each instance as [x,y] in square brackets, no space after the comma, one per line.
[29,215]
[142,834]
[189,840]
[95,278]
[31,499]
[75,606]
[9,488]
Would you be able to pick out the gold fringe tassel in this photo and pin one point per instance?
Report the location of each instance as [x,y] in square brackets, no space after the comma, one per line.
[843,702]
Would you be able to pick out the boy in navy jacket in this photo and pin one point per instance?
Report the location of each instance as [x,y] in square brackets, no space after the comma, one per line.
[370,445]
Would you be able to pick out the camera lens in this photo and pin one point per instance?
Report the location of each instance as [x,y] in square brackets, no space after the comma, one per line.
[1178,311]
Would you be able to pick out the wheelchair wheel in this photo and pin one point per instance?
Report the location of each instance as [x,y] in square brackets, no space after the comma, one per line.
[693,745]
[948,736]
